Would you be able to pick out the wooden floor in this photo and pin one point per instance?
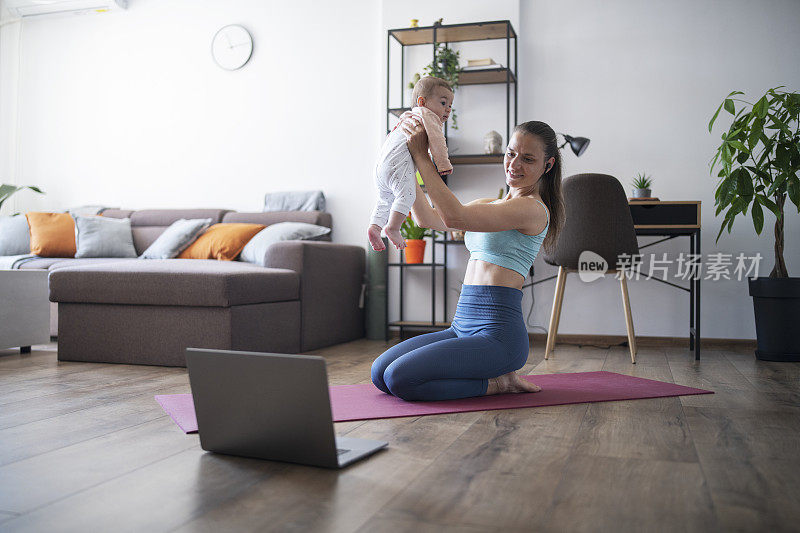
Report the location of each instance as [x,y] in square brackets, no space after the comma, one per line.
[84,447]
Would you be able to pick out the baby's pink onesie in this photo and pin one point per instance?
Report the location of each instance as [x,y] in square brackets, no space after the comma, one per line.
[395,173]
[436,142]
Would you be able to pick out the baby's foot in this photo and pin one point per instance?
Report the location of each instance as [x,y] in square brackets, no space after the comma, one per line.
[395,237]
[374,234]
[510,383]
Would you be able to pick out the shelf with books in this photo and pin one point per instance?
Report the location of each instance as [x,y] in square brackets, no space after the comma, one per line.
[486,76]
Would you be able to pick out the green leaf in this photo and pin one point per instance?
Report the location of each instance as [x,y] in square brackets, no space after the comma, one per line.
[761,107]
[744,182]
[794,155]
[769,204]
[782,156]
[794,194]
[714,162]
[730,224]
[762,159]
[776,184]
[728,103]
[7,190]
[738,145]
[758,217]
[724,191]
[730,216]
[711,124]
[752,139]
[726,154]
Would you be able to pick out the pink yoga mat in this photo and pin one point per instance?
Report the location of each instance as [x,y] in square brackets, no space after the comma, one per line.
[363,402]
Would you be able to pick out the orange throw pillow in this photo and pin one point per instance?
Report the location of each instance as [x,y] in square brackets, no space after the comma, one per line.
[221,241]
[52,234]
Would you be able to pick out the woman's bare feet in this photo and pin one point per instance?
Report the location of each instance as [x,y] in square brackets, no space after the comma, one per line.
[374,235]
[509,383]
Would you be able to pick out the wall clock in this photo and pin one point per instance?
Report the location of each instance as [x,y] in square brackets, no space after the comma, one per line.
[232,47]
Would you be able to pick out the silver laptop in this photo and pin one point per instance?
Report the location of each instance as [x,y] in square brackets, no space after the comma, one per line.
[269,406]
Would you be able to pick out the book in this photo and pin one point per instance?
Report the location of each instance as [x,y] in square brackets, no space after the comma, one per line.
[480,62]
[483,67]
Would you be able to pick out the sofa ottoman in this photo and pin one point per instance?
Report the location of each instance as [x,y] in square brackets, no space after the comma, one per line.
[148,311]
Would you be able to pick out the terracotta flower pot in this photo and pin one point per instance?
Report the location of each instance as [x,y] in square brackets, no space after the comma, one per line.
[415,250]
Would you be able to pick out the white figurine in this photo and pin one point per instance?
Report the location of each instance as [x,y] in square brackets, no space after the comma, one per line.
[492,143]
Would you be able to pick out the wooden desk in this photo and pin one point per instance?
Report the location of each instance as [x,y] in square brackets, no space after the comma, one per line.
[671,219]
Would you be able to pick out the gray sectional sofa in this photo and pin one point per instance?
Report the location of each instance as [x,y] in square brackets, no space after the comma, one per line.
[141,311]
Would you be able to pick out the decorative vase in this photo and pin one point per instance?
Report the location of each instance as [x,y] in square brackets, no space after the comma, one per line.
[415,250]
[641,193]
[776,304]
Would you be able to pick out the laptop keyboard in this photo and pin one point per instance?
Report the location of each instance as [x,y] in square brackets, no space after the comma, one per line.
[340,451]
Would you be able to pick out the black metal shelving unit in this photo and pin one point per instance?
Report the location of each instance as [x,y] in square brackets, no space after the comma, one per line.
[493,75]
[433,265]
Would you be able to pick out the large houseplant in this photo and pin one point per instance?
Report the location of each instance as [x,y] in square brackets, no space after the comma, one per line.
[7,190]
[759,160]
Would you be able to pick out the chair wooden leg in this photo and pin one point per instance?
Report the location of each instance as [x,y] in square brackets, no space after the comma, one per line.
[628,318]
[555,314]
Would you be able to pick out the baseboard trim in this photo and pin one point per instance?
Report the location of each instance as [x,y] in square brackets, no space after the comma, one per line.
[622,340]
[618,340]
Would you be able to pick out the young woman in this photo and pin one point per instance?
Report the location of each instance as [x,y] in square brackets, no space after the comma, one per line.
[488,340]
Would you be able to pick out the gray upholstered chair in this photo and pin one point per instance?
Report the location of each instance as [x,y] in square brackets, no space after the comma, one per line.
[598,219]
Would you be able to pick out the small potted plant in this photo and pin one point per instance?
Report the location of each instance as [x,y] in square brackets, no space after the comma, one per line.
[415,240]
[760,160]
[641,185]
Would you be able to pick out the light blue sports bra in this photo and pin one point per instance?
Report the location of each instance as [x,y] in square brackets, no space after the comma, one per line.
[510,248]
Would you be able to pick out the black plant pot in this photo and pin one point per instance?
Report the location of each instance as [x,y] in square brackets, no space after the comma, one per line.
[776,302]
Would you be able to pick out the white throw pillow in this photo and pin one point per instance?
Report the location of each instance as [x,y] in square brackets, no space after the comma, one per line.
[256,249]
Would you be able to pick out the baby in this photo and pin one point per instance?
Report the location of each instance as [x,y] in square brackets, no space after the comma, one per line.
[395,173]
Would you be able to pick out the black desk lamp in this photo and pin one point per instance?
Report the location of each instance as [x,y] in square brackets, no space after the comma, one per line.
[578,144]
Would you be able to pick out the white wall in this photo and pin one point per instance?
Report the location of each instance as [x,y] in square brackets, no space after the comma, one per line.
[130,110]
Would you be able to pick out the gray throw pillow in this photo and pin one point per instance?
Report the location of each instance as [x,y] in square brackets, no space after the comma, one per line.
[176,238]
[294,201]
[15,236]
[255,250]
[104,237]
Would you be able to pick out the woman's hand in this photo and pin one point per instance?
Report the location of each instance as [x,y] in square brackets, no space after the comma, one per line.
[417,139]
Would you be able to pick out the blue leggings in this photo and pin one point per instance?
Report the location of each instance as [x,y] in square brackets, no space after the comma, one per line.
[487,339]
